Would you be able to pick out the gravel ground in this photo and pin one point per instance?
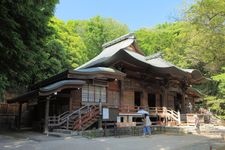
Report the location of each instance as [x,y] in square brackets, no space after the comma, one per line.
[37,141]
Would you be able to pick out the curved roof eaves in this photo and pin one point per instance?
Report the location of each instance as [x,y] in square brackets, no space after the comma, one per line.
[107,53]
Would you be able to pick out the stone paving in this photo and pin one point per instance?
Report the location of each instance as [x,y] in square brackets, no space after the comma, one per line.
[38,141]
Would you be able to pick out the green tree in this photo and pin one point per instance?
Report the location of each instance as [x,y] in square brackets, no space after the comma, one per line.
[23,29]
[70,43]
[207,34]
[216,100]
[168,38]
[97,31]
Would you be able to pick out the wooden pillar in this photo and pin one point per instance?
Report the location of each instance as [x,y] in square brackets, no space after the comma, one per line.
[46,115]
[121,92]
[70,101]
[19,116]
[183,103]
[165,97]
[100,118]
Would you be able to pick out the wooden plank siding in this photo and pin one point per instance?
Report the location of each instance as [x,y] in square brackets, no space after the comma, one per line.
[75,99]
[113,93]
[9,109]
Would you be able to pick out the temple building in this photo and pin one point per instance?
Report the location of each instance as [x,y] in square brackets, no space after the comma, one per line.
[112,88]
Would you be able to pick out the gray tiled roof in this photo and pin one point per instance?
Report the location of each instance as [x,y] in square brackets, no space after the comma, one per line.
[99,69]
[155,61]
[59,84]
[107,52]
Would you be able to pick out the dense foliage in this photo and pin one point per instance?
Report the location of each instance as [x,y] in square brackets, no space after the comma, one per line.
[34,45]
[168,38]
[97,31]
[23,30]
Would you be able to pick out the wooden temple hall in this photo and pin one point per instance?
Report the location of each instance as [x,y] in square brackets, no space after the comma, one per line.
[111,88]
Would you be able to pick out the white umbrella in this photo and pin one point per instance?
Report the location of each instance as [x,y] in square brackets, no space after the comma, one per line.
[142,111]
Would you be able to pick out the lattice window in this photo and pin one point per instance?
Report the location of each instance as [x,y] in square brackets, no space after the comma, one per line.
[100,94]
[92,93]
[103,94]
[97,93]
[85,93]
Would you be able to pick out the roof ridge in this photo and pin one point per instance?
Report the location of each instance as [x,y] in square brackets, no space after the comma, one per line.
[119,39]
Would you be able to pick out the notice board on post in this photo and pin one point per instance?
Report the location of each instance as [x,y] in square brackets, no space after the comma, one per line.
[105,113]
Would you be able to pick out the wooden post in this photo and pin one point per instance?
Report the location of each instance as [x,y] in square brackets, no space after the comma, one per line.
[67,123]
[100,118]
[19,116]
[179,119]
[183,109]
[80,123]
[121,92]
[165,97]
[46,115]
[165,114]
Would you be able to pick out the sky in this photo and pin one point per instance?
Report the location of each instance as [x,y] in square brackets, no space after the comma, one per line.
[134,13]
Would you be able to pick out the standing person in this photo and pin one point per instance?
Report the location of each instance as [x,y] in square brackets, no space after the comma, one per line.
[190,107]
[147,124]
[196,121]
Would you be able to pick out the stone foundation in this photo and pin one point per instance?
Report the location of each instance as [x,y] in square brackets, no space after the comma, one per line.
[131,131]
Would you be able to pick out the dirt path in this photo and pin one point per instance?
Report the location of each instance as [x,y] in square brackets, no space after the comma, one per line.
[36,141]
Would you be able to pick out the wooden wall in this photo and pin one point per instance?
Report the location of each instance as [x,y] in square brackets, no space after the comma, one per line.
[114,86]
[75,99]
[11,109]
[170,101]
[131,86]
[144,101]
[113,93]
[128,98]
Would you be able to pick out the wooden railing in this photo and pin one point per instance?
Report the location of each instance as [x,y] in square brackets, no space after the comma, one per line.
[66,117]
[58,120]
[63,118]
[92,113]
[86,113]
[174,115]
[166,112]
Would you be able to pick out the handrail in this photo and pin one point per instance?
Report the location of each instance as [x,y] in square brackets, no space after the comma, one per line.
[175,115]
[71,114]
[74,112]
[62,118]
[92,113]
[167,111]
[57,120]
[59,116]
[66,116]
[63,114]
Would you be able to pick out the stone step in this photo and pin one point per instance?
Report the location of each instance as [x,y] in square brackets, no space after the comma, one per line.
[63,132]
